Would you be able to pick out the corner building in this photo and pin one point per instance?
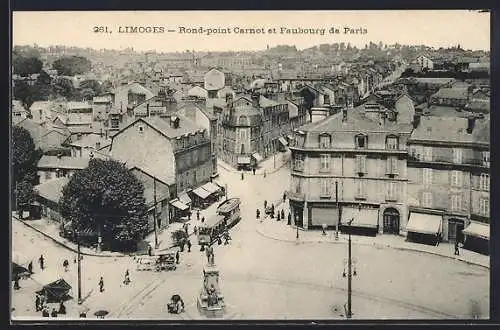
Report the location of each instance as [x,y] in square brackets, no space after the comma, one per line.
[351,165]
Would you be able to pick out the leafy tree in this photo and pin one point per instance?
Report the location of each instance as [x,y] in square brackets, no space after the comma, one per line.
[308,99]
[25,66]
[72,65]
[106,198]
[24,155]
[25,195]
[24,93]
[64,87]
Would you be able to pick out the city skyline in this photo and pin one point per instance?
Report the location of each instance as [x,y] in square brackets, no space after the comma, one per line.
[470,30]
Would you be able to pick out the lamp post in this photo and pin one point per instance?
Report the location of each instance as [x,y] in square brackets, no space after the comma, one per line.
[349,274]
[79,268]
[338,209]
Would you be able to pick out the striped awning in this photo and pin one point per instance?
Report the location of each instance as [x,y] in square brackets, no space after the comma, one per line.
[424,223]
[481,230]
[211,187]
[184,198]
[201,192]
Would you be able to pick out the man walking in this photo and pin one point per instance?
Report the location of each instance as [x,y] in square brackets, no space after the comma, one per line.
[30,268]
[289,218]
[189,245]
[16,282]
[41,261]
[282,214]
[177,256]
[126,281]
[457,251]
[198,215]
[37,303]
[101,285]
[284,197]
[253,170]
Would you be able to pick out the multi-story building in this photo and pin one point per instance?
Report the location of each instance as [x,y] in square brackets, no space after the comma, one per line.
[351,165]
[448,172]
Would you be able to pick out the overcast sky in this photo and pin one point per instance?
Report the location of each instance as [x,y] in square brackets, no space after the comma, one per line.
[436,28]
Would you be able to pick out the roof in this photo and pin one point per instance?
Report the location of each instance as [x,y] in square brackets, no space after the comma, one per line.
[63,162]
[198,91]
[357,121]
[214,80]
[78,118]
[190,106]
[442,81]
[101,99]
[78,105]
[444,111]
[293,109]
[479,105]
[186,126]
[265,102]
[451,129]
[52,189]
[91,140]
[452,93]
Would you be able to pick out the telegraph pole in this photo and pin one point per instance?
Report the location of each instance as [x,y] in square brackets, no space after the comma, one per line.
[79,269]
[154,213]
[349,275]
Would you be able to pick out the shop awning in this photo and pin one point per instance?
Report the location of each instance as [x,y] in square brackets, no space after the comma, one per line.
[476,229]
[184,198]
[210,187]
[367,218]
[179,205]
[243,160]
[424,223]
[258,158]
[283,141]
[201,192]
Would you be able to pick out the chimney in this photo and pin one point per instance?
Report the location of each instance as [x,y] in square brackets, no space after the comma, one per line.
[471,121]
[416,120]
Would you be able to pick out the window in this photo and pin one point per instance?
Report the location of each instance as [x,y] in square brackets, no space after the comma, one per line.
[361,141]
[457,156]
[484,182]
[325,188]
[456,178]
[325,163]
[427,199]
[391,193]
[428,154]
[456,202]
[392,165]
[324,141]
[361,164]
[360,189]
[486,158]
[427,176]
[484,206]
[141,129]
[297,186]
[299,162]
[392,143]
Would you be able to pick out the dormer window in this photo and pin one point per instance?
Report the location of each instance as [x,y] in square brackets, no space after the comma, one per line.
[325,140]
[141,129]
[392,142]
[361,141]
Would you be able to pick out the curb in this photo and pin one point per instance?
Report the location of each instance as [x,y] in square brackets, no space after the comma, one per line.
[118,255]
[261,233]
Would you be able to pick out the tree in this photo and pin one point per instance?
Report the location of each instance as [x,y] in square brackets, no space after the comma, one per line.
[64,87]
[72,65]
[107,198]
[24,93]
[24,155]
[25,195]
[308,99]
[25,66]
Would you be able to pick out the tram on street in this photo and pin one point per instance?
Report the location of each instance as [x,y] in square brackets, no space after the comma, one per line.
[230,210]
[211,230]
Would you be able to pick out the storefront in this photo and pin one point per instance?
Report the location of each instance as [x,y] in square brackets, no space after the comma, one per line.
[424,228]
[214,191]
[200,196]
[179,210]
[364,220]
[244,162]
[477,237]
[296,208]
[321,214]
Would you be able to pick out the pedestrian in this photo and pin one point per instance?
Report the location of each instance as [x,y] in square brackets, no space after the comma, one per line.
[62,308]
[198,215]
[272,208]
[177,256]
[265,205]
[253,170]
[242,176]
[264,173]
[289,218]
[457,251]
[126,281]
[324,227]
[282,214]
[41,260]
[284,197]
[45,312]
[195,230]
[189,245]
[30,267]
[101,285]
[65,265]
[278,216]
[202,219]
[437,239]
[54,313]
[150,250]
[258,213]
[37,303]
[219,241]
[42,302]
[16,282]
[186,228]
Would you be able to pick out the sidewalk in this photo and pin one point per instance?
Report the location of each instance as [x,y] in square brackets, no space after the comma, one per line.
[279,230]
[268,166]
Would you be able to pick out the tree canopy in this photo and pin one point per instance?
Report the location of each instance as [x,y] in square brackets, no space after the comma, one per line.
[24,155]
[25,66]
[72,65]
[106,197]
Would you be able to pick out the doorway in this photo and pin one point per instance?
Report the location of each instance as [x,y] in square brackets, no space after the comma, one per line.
[391,221]
[455,227]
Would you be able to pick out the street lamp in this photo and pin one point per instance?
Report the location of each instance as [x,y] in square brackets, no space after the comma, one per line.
[79,266]
[349,274]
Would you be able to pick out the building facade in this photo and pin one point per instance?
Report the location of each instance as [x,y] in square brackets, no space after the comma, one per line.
[351,165]
[448,171]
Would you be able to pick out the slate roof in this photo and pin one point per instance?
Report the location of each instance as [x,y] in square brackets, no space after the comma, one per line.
[64,162]
[198,91]
[186,126]
[91,140]
[78,105]
[52,189]
[460,93]
[451,129]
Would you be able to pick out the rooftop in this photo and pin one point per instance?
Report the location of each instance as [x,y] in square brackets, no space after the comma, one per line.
[186,126]
[64,162]
[452,93]
[452,129]
[52,189]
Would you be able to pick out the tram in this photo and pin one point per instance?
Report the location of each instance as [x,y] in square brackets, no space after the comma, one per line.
[230,210]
